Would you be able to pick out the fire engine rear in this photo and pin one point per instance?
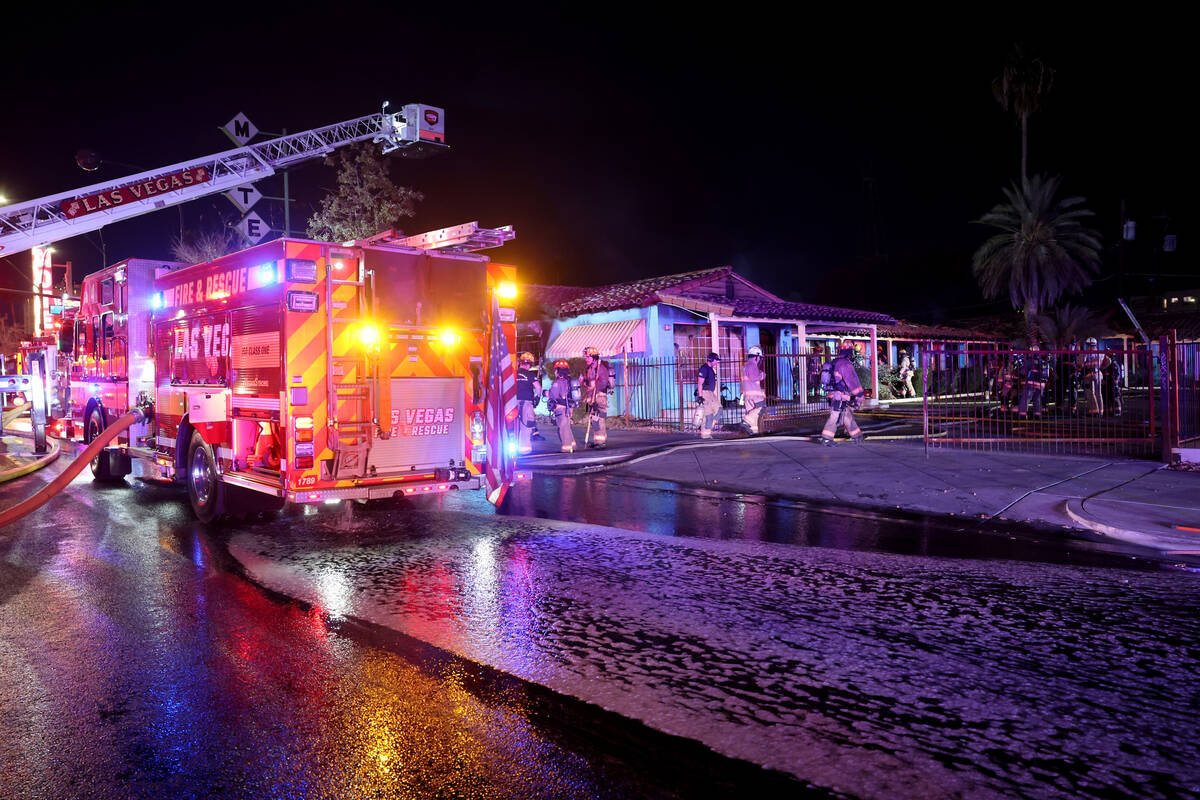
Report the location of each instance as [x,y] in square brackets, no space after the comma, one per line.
[294,371]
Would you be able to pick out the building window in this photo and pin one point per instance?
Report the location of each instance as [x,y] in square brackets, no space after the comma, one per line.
[694,342]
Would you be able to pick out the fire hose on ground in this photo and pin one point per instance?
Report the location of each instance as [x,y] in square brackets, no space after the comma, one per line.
[60,482]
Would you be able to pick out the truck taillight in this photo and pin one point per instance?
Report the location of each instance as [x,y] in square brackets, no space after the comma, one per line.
[449,337]
[304,429]
[507,290]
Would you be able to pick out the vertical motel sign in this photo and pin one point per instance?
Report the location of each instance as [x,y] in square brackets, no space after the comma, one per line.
[43,285]
[241,130]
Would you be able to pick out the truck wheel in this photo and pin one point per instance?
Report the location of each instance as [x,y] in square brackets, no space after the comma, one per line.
[204,486]
[92,428]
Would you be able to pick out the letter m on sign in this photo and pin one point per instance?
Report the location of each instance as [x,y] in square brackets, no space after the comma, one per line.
[240,129]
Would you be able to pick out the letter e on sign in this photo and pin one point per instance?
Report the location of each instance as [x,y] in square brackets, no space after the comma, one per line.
[253,227]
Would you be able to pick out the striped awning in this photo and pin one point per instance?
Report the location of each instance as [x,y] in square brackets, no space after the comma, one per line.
[610,338]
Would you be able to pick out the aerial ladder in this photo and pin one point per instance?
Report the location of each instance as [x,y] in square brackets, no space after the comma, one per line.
[415,130]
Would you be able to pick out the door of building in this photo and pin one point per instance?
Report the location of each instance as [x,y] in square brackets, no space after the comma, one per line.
[771,366]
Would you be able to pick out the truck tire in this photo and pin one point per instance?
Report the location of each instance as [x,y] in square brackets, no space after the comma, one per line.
[93,426]
[205,489]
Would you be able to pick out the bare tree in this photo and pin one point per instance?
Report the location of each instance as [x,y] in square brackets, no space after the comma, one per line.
[197,247]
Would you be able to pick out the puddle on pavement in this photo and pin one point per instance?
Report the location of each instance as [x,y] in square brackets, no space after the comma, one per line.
[671,510]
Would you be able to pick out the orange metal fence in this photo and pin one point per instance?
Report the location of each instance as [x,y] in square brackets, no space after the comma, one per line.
[1073,402]
[661,392]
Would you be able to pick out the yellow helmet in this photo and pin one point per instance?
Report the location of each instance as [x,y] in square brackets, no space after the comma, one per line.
[526,358]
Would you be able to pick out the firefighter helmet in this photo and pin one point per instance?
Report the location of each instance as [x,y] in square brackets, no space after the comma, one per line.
[526,358]
[1091,344]
[561,364]
[713,357]
[754,350]
[845,347]
[591,352]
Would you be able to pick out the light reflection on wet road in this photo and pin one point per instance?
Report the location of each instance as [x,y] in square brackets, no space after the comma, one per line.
[983,674]
[666,508]
[134,664]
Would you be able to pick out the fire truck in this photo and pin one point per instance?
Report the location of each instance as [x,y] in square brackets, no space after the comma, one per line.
[293,370]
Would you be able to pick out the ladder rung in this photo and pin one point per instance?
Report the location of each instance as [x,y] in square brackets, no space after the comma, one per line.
[345,320]
[346,283]
[353,424]
[355,386]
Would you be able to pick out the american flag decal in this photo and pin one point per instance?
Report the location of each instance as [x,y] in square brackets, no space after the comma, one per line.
[501,408]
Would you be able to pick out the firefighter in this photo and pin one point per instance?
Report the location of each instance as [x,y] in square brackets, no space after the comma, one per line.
[842,387]
[528,395]
[753,396]
[706,394]
[562,400]
[1010,392]
[1110,370]
[1093,376]
[1068,387]
[1035,382]
[597,385]
[906,375]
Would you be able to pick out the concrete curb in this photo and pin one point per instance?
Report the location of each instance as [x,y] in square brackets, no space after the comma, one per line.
[19,472]
[564,463]
[1155,541]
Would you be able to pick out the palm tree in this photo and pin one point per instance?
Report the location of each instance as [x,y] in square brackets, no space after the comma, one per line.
[1020,87]
[1043,249]
[1059,327]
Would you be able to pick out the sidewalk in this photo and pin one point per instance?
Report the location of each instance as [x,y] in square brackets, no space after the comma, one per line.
[1137,502]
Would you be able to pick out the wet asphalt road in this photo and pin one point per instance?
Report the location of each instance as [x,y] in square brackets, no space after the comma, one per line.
[135,663]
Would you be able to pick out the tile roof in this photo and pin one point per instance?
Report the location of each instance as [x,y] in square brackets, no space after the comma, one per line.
[784,309]
[912,330]
[634,294]
[1186,325]
[573,300]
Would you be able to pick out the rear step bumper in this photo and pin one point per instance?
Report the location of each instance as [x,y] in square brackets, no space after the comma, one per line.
[380,491]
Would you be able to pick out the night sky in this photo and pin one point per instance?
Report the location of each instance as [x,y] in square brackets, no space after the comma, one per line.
[834,160]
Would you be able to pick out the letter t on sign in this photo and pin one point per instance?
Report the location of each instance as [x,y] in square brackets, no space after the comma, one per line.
[244,197]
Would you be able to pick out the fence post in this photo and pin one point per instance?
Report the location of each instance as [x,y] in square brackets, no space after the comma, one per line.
[925,397]
[1165,364]
[626,370]
[679,384]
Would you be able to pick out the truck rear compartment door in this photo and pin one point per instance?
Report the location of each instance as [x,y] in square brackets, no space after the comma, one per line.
[426,429]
